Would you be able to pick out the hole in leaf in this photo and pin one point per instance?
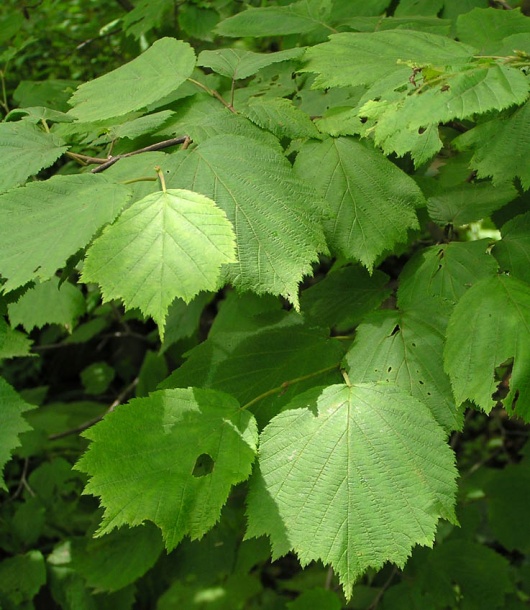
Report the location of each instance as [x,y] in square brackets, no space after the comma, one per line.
[203,466]
[421,130]
[420,381]
[389,369]
[413,344]
[395,331]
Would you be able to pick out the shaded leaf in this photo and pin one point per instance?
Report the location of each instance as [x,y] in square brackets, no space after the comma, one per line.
[29,149]
[13,343]
[239,63]
[144,80]
[372,200]
[513,250]
[370,461]
[489,326]
[44,223]
[276,216]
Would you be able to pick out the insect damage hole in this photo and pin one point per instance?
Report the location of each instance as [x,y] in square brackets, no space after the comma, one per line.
[203,465]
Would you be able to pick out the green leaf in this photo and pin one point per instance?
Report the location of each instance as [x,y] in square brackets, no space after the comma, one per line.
[500,147]
[372,200]
[489,326]
[44,223]
[419,7]
[114,561]
[13,424]
[467,203]
[13,343]
[152,372]
[316,598]
[48,303]
[406,348]
[239,64]
[296,18]
[370,462]
[344,297]
[21,578]
[248,365]
[276,216]
[144,80]
[25,150]
[444,273]
[143,458]
[282,118]
[378,55]
[513,250]
[145,16]
[183,319]
[97,377]
[169,244]
[485,28]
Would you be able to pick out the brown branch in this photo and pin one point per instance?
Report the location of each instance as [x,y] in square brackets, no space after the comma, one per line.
[84,426]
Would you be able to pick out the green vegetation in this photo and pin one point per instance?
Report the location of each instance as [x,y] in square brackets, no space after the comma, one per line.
[264,305]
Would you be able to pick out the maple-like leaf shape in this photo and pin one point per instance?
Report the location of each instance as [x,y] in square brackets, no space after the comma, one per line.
[489,326]
[169,244]
[171,459]
[355,480]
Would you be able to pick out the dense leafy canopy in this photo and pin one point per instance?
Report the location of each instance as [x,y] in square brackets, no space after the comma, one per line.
[264,270]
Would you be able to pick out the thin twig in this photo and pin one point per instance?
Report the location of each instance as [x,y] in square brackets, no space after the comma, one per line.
[283,387]
[214,93]
[95,420]
[504,5]
[23,483]
[387,584]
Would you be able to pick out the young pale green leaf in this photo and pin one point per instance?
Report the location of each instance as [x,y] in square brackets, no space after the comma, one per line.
[13,343]
[171,459]
[489,327]
[25,150]
[276,216]
[239,63]
[485,28]
[48,303]
[467,202]
[143,81]
[372,200]
[501,147]
[513,250]
[344,297]
[378,55]
[44,223]
[13,424]
[355,480]
[406,348]
[169,244]
[282,118]
[297,18]
[444,273]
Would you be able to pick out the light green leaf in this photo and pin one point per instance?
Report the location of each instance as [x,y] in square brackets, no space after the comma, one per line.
[344,297]
[501,147]
[489,326]
[372,200]
[48,303]
[13,343]
[442,274]
[13,424]
[467,202]
[282,118]
[377,55]
[276,216]
[147,461]
[485,28]
[239,63]
[296,18]
[118,559]
[513,250]
[137,127]
[406,348]
[167,245]
[44,223]
[25,150]
[431,25]
[370,462]
[143,81]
